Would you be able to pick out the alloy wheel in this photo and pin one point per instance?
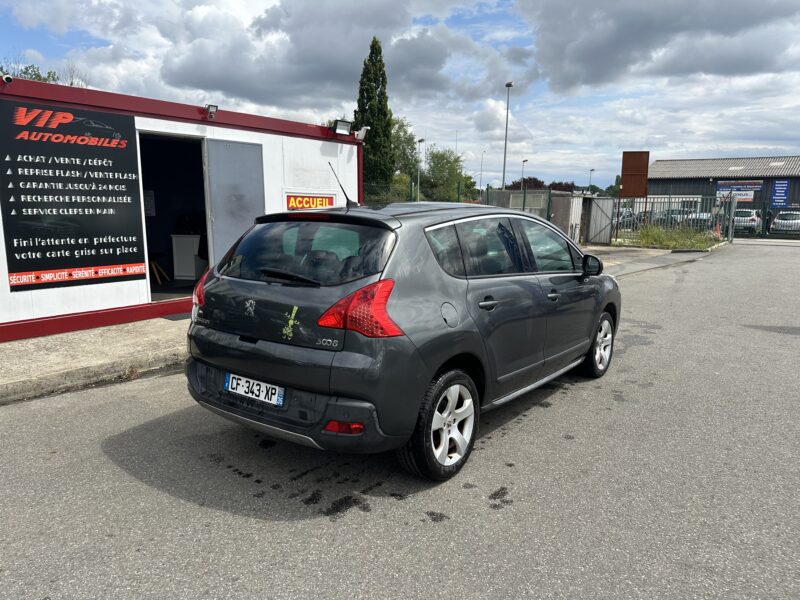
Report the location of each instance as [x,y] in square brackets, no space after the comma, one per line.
[453,425]
[603,344]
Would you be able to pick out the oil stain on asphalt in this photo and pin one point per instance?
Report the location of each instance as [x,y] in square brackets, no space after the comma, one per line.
[338,507]
[499,498]
[436,517]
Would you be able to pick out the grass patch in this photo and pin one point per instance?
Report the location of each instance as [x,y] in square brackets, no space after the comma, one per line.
[680,238]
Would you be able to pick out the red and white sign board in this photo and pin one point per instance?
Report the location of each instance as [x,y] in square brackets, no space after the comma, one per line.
[308,201]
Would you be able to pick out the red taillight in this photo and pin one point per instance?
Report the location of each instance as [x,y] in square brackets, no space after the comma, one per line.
[344,427]
[198,295]
[364,311]
[753,219]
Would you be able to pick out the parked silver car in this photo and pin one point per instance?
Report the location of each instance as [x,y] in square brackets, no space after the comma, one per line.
[746,219]
[787,221]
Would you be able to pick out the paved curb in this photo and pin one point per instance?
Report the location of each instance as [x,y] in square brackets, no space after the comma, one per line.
[688,259]
[709,249]
[120,370]
[674,250]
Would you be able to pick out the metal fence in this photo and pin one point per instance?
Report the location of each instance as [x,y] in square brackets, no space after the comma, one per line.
[635,218]
[760,219]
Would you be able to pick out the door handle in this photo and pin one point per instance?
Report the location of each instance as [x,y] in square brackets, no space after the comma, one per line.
[488,303]
[554,296]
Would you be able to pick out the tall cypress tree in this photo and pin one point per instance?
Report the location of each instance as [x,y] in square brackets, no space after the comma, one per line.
[373,111]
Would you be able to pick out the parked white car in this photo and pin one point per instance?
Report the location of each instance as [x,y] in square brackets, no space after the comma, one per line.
[746,219]
[787,221]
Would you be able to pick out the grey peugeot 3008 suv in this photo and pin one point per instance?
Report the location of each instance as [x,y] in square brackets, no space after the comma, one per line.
[366,330]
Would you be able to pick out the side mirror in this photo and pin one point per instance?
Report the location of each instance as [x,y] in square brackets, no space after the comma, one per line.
[591,265]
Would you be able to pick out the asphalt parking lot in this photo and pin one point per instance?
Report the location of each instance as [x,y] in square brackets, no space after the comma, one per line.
[675,476]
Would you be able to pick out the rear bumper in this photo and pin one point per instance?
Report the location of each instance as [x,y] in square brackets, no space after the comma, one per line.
[302,418]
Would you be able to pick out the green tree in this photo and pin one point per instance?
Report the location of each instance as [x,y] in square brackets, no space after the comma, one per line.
[404,147]
[469,191]
[16,69]
[401,187]
[443,179]
[613,190]
[373,111]
[563,186]
[531,183]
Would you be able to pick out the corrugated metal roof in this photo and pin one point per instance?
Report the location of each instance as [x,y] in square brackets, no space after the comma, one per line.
[726,168]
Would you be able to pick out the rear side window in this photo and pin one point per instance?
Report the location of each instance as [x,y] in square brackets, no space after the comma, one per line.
[489,247]
[444,243]
[551,252]
[322,252]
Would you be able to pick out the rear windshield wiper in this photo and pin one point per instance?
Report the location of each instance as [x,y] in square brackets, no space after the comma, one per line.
[288,276]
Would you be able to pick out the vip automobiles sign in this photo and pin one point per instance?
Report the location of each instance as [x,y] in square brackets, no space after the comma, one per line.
[780,194]
[69,197]
[742,191]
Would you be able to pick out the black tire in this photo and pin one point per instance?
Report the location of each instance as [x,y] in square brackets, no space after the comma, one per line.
[417,456]
[592,366]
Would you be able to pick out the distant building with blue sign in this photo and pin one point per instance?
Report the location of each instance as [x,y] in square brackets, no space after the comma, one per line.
[771,182]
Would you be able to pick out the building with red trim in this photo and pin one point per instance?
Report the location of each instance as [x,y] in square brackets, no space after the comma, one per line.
[112,206]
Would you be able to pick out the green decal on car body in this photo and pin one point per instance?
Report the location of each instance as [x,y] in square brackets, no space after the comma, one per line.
[288,331]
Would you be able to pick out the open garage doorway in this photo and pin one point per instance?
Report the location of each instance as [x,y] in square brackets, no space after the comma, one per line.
[175,213]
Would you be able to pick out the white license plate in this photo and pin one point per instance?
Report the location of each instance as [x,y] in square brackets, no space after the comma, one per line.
[257,390]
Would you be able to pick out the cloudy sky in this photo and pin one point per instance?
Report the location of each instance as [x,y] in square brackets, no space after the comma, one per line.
[681,78]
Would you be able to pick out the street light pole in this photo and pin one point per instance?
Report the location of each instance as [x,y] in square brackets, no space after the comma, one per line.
[509,85]
[480,184]
[590,181]
[419,162]
[522,183]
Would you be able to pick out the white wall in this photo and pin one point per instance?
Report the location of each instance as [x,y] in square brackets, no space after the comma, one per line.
[291,165]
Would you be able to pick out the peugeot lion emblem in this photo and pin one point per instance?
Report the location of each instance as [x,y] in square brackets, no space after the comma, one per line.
[250,308]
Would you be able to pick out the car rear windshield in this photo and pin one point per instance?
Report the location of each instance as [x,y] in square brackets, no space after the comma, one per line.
[744,213]
[789,216]
[308,252]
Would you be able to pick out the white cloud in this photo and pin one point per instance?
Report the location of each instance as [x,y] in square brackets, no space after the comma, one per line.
[683,78]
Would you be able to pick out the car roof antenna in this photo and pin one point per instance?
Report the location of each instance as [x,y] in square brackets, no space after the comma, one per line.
[350,203]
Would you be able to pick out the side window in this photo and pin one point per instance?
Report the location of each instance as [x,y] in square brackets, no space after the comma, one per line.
[577,259]
[444,244]
[489,247]
[550,251]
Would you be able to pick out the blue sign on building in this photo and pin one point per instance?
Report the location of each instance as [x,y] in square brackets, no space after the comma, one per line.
[780,193]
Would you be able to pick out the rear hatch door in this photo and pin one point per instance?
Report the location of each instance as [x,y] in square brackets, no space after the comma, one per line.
[281,276]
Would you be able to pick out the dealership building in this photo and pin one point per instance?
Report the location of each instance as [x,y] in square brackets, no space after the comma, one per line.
[112,206]
[768,183]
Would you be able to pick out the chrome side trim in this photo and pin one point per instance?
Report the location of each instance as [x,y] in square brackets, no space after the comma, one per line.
[581,348]
[507,376]
[530,388]
[275,432]
[467,219]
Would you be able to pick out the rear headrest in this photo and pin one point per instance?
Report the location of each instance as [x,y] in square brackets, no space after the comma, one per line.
[478,247]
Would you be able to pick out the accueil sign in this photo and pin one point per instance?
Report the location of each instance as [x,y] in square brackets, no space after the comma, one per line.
[308,201]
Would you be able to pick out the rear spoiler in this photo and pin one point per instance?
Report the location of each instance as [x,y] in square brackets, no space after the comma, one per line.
[333,216]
